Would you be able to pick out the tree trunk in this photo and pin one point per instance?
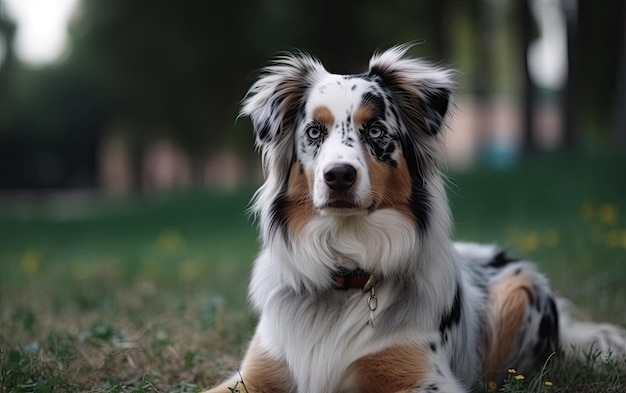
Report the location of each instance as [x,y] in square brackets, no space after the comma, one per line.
[198,166]
[440,27]
[619,109]
[135,158]
[571,90]
[528,102]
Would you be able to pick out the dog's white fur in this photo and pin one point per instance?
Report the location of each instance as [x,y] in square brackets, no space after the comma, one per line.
[444,302]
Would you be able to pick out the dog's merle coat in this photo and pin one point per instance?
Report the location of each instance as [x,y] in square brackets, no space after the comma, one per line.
[352,182]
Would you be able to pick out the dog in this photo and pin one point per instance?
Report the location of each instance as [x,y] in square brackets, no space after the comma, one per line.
[358,284]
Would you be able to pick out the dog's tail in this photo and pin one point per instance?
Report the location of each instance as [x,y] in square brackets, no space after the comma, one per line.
[589,340]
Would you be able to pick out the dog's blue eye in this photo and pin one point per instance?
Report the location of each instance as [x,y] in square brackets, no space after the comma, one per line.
[375,132]
[314,132]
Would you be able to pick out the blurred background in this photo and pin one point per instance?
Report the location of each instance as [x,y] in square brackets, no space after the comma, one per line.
[125,249]
[127,97]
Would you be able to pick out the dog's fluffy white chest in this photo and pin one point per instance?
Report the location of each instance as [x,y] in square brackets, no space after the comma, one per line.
[320,338]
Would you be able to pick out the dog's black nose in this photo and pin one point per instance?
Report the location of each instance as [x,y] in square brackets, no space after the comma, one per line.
[340,177]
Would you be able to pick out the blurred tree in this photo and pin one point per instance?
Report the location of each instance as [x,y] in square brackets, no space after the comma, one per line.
[528,88]
[600,32]
[52,136]
[590,95]
[170,69]
[339,22]
[8,67]
[571,90]
[619,107]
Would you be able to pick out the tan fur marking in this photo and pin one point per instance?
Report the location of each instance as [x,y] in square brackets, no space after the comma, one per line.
[301,209]
[363,114]
[260,374]
[391,186]
[395,369]
[508,303]
[324,116]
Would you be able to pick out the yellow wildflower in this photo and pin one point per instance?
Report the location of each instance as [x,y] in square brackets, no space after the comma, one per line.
[30,262]
[608,214]
[548,383]
[189,270]
[530,241]
[170,242]
[491,386]
[512,371]
[519,377]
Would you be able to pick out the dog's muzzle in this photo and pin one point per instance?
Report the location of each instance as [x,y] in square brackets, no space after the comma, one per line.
[340,180]
[340,177]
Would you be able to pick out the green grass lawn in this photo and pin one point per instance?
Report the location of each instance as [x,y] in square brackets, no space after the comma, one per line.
[149,294]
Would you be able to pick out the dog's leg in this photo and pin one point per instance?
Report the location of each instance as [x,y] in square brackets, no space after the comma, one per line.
[522,327]
[525,325]
[405,369]
[259,373]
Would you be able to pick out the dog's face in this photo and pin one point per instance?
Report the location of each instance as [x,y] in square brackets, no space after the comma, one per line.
[346,145]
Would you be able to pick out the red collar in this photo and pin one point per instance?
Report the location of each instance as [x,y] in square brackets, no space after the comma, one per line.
[346,279]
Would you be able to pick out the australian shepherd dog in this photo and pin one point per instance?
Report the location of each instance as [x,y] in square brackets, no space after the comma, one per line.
[358,284]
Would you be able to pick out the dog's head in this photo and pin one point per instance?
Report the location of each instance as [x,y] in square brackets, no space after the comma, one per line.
[346,145]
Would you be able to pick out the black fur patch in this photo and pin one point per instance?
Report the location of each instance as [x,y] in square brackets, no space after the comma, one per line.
[548,332]
[381,75]
[420,200]
[264,131]
[377,102]
[420,203]
[453,317]
[278,213]
[431,388]
[434,104]
[501,259]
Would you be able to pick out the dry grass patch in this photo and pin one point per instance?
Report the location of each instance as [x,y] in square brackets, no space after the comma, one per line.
[141,340]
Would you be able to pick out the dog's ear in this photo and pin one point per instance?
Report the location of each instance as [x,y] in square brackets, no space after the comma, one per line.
[276,99]
[422,91]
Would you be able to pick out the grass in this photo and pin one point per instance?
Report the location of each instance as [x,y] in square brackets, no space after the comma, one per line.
[149,294]
[589,375]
